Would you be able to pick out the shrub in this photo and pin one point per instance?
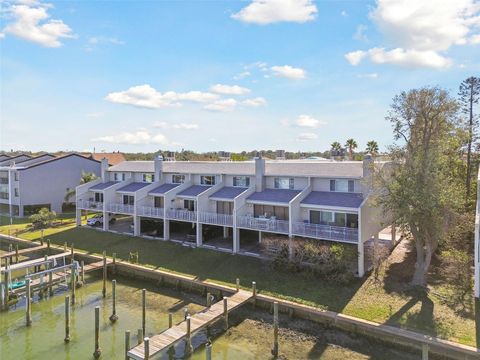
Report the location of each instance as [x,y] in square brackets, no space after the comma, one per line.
[43,219]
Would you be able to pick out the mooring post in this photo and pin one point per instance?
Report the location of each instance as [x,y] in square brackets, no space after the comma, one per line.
[29,304]
[6,293]
[48,247]
[225,312]
[144,306]
[170,320]
[41,238]
[238,284]
[185,313]
[424,351]
[146,348]
[275,329]
[98,351]
[104,289]
[16,253]
[65,247]
[44,290]
[127,343]
[82,271]
[208,350]
[114,316]
[209,299]
[188,345]
[114,262]
[67,319]
[71,254]
[139,336]
[254,292]
[74,283]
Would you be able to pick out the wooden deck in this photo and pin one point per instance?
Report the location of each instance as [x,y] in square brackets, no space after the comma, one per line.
[197,321]
[35,262]
[23,251]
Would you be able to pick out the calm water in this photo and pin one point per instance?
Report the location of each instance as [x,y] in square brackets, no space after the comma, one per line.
[249,337]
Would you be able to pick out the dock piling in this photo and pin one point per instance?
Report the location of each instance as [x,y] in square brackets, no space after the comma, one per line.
[275,329]
[74,284]
[139,336]
[225,312]
[208,350]
[98,351]
[67,319]
[29,304]
[82,271]
[146,351]
[114,316]
[72,257]
[16,253]
[238,284]
[170,320]
[104,289]
[127,343]
[209,299]
[114,263]
[424,351]
[65,247]
[188,342]
[48,247]
[144,308]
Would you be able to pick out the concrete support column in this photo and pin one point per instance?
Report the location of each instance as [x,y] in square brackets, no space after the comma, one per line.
[136,225]
[106,220]
[166,229]
[361,259]
[78,217]
[259,237]
[225,232]
[236,240]
[290,247]
[20,211]
[199,235]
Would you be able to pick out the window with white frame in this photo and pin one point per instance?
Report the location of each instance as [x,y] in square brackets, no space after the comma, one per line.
[148,178]
[16,192]
[128,199]
[15,176]
[207,179]
[342,185]
[283,183]
[119,176]
[241,181]
[178,179]
[99,197]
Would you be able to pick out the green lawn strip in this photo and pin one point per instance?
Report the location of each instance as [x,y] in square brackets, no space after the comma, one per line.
[363,299]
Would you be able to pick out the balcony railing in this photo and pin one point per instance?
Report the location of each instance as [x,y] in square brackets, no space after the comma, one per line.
[262,224]
[90,205]
[215,219]
[182,214]
[121,208]
[4,180]
[326,232]
[151,211]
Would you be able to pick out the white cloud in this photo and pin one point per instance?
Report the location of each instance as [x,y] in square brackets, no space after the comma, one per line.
[308,121]
[31,23]
[421,31]
[401,57]
[229,90]
[255,102]
[289,72]
[139,137]
[147,97]
[474,39]
[181,126]
[368,76]
[242,75]
[360,33]
[101,39]
[95,114]
[272,11]
[223,105]
[307,136]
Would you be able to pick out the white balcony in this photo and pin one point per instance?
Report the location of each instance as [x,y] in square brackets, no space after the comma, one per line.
[215,219]
[182,215]
[326,232]
[90,205]
[121,208]
[150,211]
[262,224]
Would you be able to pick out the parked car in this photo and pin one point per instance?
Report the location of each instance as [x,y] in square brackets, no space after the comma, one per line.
[97,220]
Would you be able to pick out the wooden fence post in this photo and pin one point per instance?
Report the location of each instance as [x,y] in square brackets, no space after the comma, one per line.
[29,304]
[114,316]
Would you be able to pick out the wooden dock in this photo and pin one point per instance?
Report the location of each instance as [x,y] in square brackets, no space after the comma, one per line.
[198,321]
[23,251]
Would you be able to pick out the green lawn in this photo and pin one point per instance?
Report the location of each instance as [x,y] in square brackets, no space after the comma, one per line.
[376,301]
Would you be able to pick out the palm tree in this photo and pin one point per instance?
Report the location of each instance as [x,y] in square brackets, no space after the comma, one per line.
[335,148]
[84,178]
[351,145]
[372,147]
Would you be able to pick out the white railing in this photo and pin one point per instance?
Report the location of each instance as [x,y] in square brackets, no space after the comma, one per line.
[92,205]
[182,214]
[262,224]
[326,232]
[150,211]
[121,208]
[215,219]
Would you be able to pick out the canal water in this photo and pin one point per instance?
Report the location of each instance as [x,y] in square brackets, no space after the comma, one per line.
[249,337]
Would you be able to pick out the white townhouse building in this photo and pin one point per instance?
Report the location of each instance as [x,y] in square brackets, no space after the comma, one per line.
[29,183]
[231,205]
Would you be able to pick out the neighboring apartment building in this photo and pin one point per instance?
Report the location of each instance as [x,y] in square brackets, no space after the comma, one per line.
[325,200]
[114,158]
[29,183]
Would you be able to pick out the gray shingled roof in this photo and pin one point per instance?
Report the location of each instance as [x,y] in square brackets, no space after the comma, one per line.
[274,195]
[330,169]
[194,190]
[103,186]
[35,160]
[327,198]
[228,192]
[132,187]
[162,189]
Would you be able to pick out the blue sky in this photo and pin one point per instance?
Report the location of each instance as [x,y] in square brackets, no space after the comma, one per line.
[222,75]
